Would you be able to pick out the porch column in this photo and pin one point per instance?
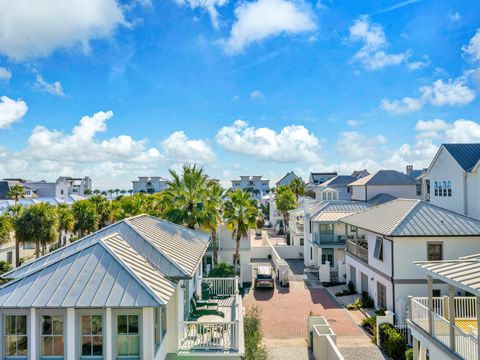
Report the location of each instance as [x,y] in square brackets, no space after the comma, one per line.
[451,315]
[70,341]
[423,352]
[147,333]
[430,303]
[415,345]
[33,334]
[108,334]
[478,322]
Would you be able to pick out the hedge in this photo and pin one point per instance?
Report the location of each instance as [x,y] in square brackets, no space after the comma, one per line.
[392,342]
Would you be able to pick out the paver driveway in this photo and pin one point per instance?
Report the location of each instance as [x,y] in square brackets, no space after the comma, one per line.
[285,311]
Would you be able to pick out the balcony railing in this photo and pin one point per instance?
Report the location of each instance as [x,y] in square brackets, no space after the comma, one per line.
[295,226]
[358,249]
[216,333]
[435,323]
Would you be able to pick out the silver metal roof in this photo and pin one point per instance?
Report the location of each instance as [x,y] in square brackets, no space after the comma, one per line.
[463,274]
[107,273]
[408,217]
[340,206]
[385,177]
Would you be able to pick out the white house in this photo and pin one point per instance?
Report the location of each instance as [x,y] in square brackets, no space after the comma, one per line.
[384,181]
[325,236]
[149,184]
[316,178]
[123,292]
[287,179]
[335,188]
[452,180]
[398,233]
[447,327]
[256,185]
[62,188]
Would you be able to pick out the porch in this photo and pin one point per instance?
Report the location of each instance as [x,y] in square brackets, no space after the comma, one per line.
[218,326]
[358,247]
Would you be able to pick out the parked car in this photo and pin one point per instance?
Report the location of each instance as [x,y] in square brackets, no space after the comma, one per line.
[264,277]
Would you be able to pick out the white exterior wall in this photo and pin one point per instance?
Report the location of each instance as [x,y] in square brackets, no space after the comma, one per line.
[156,184]
[254,183]
[446,168]
[365,193]
[473,194]
[358,193]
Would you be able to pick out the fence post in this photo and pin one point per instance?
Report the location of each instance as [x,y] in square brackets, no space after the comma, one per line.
[386,319]
[451,315]
[430,304]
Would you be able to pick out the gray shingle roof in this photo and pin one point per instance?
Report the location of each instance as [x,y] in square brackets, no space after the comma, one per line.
[407,217]
[467,155]
[385,177]
[339,180]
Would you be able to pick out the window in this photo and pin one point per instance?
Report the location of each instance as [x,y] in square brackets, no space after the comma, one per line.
[91,335]
[381,296]
[418,188]
[442,188]
[301,241]
[128,338]
[311,253]
[10,257]
[16,341]
[435,252]
[327,255]
[353,228]
[160,324]
[436,293]
[378,252]
[52,335]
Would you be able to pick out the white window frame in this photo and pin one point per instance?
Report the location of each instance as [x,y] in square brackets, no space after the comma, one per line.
[51,312]
[115,313]
[18,312]
[378,250]
[442,188]
[78,335]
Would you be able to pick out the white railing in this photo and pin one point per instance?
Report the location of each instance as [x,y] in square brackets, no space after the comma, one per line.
[466,345]
[465,308]
[209,336]
[357,250]
[222,286]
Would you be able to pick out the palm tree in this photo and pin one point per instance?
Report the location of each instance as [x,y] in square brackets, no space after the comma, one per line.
[185,196]
[88,192]
[96,192]
[16,193]
[130,206]
[13,213]
[213,213]
[116,191]
[86,217]
[130,191]
[38,224]
[298,187]
[285,200]
[110,192]
[123,192]
[103,207]
[6,228]
[240,214]
[66,221]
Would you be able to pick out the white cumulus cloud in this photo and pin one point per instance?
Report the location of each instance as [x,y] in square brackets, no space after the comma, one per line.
[35,28]
[5,74]
[440,93]
[262,19]
[11,111]
[472,50]
[294,143]
[54,88]
[372,55]
[179,147]
[210,6]
[257,95]
[355,146]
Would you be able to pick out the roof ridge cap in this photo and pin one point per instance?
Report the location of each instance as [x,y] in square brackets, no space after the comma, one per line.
[161,251]
[127,269]
[416,202]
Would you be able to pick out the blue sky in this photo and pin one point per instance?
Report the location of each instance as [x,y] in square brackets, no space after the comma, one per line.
[115,90]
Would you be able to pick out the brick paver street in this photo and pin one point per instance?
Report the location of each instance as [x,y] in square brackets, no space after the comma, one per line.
[284,314]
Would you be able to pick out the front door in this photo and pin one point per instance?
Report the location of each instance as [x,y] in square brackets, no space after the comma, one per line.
[364,282]
[353,276]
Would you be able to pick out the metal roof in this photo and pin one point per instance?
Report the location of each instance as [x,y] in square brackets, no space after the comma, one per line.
[381,199]
[463,274]
[408,217]
[101,275]
[339,180]
[385,177]
[154,239]
[330,216]
[466,155]
[183,246]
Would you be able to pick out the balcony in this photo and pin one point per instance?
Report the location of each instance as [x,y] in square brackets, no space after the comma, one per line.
[460,336]
[358,248]
[220,333]
[296,226]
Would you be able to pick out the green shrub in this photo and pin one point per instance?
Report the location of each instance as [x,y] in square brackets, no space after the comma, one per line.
[409,354]
[367,301]
[392,342]
[5,267]
[351,287]
[254,349]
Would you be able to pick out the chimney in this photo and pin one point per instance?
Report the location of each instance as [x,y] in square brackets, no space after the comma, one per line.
[409,169]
